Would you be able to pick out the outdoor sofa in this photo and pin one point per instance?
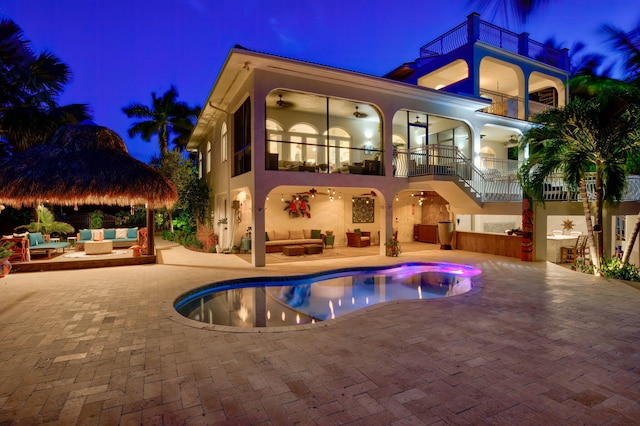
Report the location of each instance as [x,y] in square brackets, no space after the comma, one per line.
[276,240]
[121,237]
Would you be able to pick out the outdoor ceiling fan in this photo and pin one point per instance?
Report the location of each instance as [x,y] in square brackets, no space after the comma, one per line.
[283,104]
[359,114]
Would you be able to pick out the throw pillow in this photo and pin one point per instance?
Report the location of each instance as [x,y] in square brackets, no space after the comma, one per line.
[266,236]
[109,234]
[316,234]
[33,238]
[121,233]
[296,235]
[132,233]
[281,235]
[357,231]
[85,234]
[97,234]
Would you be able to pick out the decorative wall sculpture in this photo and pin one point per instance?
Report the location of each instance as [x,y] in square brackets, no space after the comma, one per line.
[363,210]
[298,206]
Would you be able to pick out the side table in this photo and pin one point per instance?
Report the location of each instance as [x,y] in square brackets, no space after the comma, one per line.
[72,241]
[329,240]
[246,245]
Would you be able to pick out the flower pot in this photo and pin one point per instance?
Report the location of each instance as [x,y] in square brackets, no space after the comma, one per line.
[5,267]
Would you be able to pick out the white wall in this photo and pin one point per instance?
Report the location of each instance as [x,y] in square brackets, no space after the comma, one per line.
[335,215]
[555,223]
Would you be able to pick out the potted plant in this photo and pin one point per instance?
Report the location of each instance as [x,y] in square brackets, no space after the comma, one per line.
[5,254]
[393,247]
[47,223]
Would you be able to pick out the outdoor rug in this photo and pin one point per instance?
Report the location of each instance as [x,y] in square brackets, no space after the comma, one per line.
[82,254]
[324,255]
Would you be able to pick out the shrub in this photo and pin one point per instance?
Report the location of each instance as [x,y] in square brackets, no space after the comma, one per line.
[613,268]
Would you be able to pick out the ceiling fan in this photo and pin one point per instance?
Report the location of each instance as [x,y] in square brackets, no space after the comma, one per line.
[359,114]
[283,104]
[513,141]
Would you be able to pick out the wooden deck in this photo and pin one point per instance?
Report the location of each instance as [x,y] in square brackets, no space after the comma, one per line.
[60,263]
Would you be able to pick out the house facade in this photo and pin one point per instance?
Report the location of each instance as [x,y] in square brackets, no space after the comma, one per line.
[291,146]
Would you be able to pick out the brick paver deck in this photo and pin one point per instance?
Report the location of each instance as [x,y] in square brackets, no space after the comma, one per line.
[534,343]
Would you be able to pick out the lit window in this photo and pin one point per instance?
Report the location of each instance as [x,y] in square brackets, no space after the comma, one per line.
[224,143]
[208,160]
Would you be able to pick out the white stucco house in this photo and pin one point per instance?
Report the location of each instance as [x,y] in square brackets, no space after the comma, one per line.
[288,146]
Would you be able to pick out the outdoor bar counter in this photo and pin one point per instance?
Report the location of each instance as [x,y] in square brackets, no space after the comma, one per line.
[498,244]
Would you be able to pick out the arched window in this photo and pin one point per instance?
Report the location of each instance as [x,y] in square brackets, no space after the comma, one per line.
[209,159]
[224,143]
[339,144]
[305,141]
[199,164]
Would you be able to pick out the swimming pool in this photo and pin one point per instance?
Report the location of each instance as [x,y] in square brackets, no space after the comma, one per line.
[305,299]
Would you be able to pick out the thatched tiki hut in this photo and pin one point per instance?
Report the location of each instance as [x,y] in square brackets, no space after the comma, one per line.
[84,164]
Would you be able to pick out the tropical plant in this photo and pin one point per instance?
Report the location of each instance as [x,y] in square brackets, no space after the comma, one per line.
[193,194]
[47,223]
[393,247]
[627,43]
[29,86]
[164,117]
[518,10]
[97,217]
[592,137]
[5,250]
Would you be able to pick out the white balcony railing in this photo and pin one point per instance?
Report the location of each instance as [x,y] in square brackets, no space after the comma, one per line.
[497,182]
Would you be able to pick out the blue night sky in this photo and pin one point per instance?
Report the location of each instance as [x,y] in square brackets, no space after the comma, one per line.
[122,50]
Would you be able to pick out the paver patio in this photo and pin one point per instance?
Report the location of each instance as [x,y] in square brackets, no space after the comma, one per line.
[533,343]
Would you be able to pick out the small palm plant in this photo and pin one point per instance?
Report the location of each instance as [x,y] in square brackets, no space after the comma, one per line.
[47,223]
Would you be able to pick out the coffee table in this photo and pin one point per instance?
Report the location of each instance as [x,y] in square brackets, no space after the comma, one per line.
[98,247]
[312,248]
[293,250]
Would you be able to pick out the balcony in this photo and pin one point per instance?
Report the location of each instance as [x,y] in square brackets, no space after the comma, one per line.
[503,105]
[474,29]
[495,182]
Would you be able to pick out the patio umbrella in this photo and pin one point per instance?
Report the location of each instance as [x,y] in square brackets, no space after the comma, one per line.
[83,164]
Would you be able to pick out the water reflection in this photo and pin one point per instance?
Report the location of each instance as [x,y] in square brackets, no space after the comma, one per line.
[306,300]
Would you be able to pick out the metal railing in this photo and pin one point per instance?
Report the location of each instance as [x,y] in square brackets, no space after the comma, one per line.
[503,105]
[497,182]
[537,108]
[496,36]
[444,160]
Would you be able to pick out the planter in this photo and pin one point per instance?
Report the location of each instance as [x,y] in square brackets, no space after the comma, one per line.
[445,234]
[5,267]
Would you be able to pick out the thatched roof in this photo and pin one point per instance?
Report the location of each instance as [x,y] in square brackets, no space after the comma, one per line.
[82,164]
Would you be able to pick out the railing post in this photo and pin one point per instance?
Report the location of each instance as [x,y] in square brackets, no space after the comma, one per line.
[473,27]
[523,44]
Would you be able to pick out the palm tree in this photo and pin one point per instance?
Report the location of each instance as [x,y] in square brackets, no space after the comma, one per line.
[627,43]
[165,116]
[588,137]
[29,86]
[520,10]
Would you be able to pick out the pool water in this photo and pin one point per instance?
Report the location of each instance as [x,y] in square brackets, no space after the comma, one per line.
[304,299]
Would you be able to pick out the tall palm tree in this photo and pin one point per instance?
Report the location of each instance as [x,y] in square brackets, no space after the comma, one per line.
[29,86]
[520,10]
[588,137]
[628,44]
[164,117]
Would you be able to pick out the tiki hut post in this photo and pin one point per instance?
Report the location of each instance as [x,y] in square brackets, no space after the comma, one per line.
[150,229]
